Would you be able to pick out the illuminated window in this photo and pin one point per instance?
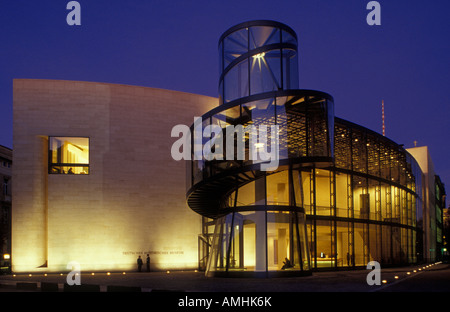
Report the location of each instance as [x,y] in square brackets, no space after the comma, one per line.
[68,155]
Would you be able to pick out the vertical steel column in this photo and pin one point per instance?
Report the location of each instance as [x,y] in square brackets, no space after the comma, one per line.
[332,176]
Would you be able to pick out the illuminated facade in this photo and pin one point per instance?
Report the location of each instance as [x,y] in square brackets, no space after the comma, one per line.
[95,180]
[341,196]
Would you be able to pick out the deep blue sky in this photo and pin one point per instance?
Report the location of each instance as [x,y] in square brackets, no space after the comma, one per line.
[173,45]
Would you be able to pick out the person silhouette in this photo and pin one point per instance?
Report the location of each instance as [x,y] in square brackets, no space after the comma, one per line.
[148,263]
[139,263]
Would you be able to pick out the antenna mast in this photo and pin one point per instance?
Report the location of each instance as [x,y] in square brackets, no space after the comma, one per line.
[382,116]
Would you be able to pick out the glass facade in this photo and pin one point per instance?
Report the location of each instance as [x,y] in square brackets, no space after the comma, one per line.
[68,155]
[257,242]
[340,195]
[257,57]
[365,209]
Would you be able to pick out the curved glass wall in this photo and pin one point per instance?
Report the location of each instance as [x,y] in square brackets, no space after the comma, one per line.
[351,217]
[336,194]
[259,243]
[264,234]
[304,122]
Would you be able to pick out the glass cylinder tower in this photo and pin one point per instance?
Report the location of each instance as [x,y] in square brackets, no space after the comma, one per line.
[254,167]
[257,57]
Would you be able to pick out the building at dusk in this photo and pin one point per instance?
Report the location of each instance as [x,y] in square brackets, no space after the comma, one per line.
[340,195]
[95,179]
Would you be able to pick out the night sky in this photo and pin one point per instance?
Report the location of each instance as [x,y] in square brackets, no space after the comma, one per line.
[173,45]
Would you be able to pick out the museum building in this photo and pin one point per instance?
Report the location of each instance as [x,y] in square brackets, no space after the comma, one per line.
[341,194]
[95,181]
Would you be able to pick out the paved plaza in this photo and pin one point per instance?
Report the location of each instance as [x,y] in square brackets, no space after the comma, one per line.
[401,288]
[418,278]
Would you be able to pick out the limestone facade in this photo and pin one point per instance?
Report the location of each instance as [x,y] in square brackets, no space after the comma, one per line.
[131,203]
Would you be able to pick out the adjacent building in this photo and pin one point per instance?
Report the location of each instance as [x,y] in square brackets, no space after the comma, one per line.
[5,208]
[270,182]
[431,216]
